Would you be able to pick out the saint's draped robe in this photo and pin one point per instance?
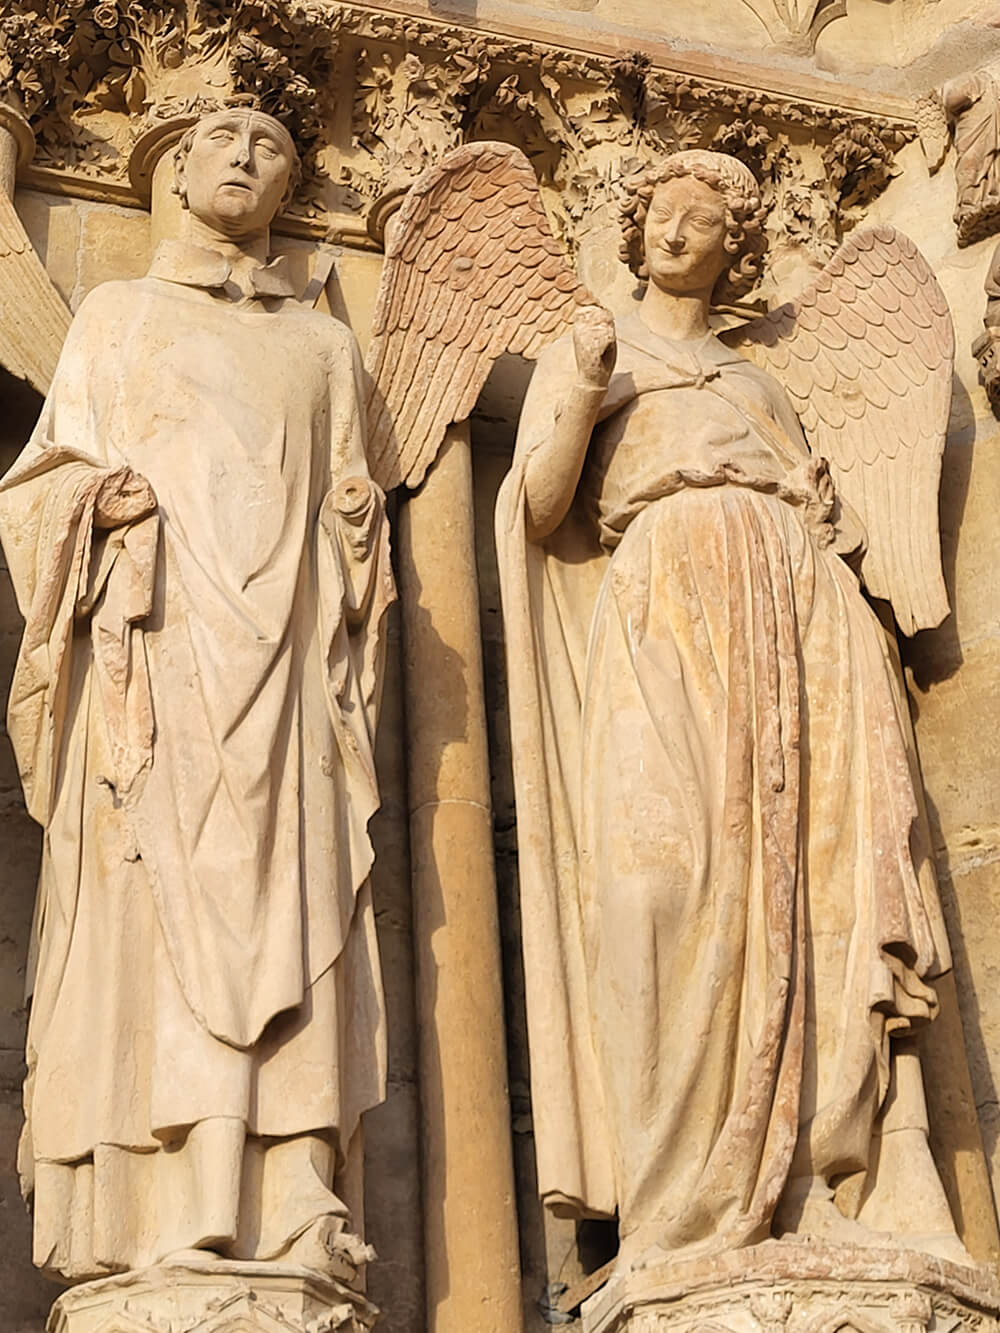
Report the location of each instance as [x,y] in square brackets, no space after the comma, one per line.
[193,714]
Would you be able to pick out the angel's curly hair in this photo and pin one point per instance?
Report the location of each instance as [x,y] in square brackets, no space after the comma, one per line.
[745,215]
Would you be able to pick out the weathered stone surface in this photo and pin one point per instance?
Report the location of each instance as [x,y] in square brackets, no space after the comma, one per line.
[53,225]
[797,1285]
[114,243]
[203,1297]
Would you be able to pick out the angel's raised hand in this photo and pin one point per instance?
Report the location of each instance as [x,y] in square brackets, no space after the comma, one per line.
[595,345]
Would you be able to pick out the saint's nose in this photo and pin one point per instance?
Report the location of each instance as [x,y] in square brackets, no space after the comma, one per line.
[242,153]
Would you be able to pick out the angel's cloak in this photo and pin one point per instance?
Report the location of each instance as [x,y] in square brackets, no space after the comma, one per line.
[192,714]
[726,905]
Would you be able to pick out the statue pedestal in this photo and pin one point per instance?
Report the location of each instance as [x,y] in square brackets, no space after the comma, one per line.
[799,1286]
[213,1297]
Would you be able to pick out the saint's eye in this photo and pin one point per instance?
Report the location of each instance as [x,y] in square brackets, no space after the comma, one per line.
[221,136]
[268,149]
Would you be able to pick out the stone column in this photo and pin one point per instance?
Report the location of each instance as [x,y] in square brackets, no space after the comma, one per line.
[151,172]
[470,1220]
[165,210]
[17,147]
[8,161]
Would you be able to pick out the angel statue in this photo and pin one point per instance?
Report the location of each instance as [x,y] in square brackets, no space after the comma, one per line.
[201,558]
[730,920]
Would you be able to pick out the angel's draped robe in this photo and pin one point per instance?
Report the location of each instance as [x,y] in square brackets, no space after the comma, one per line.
[727,908]
[192,714]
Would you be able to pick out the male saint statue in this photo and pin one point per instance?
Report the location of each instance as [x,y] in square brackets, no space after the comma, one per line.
[202,563]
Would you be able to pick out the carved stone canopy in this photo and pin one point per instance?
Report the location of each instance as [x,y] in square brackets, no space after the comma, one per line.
[108,87]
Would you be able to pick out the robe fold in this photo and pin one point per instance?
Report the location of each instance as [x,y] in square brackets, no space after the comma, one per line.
[193,713]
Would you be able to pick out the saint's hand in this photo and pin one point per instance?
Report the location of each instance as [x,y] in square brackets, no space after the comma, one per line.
[595,345]
[124,497]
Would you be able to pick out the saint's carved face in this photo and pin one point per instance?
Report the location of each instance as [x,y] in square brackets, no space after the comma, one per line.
[685,236]
[236,172]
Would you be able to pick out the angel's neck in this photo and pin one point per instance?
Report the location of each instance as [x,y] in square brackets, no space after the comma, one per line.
[676,315]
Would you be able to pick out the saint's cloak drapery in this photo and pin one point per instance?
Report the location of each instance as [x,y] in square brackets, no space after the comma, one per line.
[727,905]
[193,714]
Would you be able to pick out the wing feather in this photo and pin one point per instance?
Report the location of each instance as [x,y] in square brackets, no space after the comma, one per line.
[471,271]
[13,238]
[866,355]
[35,318]
[412,405]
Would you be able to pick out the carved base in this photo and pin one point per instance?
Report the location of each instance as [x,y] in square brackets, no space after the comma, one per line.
[800,1286]
[213,1297]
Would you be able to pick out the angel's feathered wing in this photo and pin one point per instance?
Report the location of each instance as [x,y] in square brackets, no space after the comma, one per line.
[34,319]
[866,355]
[471,271]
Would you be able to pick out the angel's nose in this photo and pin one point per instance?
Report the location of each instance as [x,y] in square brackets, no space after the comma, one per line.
[673,235]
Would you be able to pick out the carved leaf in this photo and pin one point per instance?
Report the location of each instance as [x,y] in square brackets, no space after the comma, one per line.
[866,355]
[472,271]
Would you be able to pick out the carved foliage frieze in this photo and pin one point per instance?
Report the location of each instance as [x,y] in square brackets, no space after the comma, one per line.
[90,74]
[385,95]
[586,123]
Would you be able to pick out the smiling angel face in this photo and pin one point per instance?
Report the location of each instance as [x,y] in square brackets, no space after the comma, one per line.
[234,171]
[703,200]
[685,236]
